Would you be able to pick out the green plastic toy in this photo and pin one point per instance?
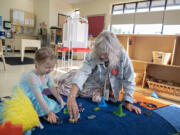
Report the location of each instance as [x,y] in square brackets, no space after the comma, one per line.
[96,109]
[119,111]
[65,111]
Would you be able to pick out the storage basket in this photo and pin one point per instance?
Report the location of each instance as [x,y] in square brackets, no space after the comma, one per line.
[164,88]
[161,57]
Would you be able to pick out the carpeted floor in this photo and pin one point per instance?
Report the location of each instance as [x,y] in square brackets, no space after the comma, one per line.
[172,114]
[106,123]
[17,60]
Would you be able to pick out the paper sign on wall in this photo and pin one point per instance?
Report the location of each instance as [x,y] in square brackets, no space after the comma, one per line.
[21,17]
[15,14]
[31,22]
[18,16]
[27,21]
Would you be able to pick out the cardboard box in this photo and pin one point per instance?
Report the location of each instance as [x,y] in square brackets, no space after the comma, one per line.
[161,57]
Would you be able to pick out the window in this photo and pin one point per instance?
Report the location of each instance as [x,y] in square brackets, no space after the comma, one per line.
[122,29]
[146,6]
[117,9]
[157,5]
[171,29]
[143,6]
[173,4]
[148,29]
[130,8]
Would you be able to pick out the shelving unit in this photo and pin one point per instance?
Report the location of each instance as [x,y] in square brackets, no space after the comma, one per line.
[140,48]
[176,54]
[167,73]
[56,35]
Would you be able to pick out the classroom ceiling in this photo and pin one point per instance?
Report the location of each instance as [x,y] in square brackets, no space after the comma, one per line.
[77,1]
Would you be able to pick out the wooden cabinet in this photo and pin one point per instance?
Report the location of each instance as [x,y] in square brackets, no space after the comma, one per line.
[56,35]
[9,42]
[176,52]
[56,38]
[164,80]
[29,43]
[18,38]
[140,48]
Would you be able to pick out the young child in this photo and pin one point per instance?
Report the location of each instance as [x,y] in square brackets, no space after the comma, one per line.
[34,82]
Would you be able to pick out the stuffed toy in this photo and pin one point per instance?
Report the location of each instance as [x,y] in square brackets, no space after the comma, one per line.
[19,110]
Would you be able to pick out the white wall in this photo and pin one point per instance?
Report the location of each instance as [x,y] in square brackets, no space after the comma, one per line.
[41,10]
[6,5]
[44,10]
[55,7]
[47,10]
[98,7]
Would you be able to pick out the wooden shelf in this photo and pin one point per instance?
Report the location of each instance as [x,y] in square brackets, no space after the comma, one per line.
[140,47]
[147,91]
[56,34]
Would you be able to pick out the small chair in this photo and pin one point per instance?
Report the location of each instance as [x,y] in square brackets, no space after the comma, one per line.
[1,55]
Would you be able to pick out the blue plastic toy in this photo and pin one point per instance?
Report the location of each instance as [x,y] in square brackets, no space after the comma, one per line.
[154,95]
[102,103]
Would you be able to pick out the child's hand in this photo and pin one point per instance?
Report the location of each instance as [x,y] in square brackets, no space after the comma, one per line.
[63,103]
[52,117]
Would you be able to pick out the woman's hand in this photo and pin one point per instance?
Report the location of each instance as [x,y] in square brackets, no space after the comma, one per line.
[132,107]
[52,117]
[72,107]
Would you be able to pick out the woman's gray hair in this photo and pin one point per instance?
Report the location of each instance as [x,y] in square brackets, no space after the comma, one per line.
[107,43]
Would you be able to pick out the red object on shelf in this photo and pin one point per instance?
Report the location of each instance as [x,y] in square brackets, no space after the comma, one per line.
[10,129]
[65,21]
[81,50]
[64,49]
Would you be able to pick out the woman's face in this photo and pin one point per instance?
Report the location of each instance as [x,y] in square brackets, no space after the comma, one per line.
[104,57]
[46,67]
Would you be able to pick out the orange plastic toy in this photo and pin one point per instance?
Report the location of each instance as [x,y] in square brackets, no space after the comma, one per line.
[10,129]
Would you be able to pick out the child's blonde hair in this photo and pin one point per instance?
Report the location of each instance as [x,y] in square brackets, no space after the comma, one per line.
[43,54]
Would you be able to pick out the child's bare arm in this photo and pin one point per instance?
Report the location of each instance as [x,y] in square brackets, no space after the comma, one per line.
[57,95]
[38,94]
[34,87]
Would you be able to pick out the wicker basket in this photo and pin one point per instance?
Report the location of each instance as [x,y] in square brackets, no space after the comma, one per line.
[164,88]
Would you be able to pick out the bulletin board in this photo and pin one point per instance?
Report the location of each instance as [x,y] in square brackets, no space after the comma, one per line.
[22,18]
[96,24]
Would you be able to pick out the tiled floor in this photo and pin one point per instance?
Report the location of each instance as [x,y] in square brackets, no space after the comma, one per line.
[10,78]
